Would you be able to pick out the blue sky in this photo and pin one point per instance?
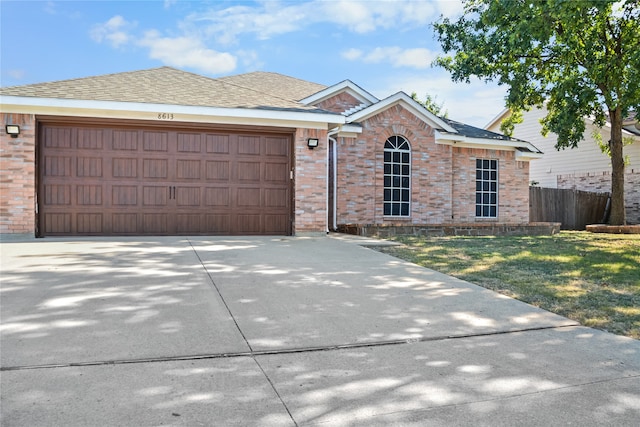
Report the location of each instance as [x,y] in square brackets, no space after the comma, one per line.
[383,46]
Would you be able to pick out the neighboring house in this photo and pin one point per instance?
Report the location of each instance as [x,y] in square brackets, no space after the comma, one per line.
[585,167]
[163,151]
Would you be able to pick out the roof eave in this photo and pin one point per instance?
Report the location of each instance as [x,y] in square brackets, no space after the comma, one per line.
[185,113]
[486,143]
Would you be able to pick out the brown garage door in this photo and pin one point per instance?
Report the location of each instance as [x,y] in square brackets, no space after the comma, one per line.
[109,180]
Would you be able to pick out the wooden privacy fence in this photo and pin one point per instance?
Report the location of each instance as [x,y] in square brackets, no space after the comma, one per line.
[575,209]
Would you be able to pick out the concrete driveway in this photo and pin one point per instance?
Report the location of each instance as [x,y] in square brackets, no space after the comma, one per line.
[287,331]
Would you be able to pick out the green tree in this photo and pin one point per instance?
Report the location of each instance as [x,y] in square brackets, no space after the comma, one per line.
[431,104]
[580,58]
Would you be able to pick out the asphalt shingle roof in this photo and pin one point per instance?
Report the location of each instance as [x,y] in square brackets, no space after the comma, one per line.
[166,85]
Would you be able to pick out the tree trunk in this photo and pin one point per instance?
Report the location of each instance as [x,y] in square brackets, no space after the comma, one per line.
[618,214]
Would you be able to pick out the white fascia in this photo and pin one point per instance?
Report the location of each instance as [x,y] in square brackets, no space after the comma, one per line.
[497,118]
[179,113]
[458,140]
[345,86]
[408,103]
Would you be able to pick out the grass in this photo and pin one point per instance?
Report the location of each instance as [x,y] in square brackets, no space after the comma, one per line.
[588,277]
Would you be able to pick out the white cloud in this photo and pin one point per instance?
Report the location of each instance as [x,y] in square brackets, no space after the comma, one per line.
[181,51]
[187,52]
[352,54]
[270,18]
[395,56]
[115,31]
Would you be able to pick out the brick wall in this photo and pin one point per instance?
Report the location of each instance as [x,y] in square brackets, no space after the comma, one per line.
[17,176]
[601,182]
[443,177]
[513,185]
[339,103]
[310,173]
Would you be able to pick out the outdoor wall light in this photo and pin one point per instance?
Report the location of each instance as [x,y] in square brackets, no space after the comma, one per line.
[13,130]
[312,143]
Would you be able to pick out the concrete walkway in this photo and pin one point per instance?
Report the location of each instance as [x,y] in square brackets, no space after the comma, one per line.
[284,331]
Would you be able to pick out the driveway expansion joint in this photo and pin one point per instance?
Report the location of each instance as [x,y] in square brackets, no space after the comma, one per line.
[274,352]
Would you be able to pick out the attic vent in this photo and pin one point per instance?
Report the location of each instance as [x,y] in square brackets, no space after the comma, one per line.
[354,109]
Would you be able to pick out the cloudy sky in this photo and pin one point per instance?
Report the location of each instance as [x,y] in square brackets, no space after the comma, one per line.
[382,45]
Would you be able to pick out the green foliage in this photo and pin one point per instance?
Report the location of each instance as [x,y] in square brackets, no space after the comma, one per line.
[579,58]
[431,104]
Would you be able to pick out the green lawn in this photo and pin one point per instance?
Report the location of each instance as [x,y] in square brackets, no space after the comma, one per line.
[589,277]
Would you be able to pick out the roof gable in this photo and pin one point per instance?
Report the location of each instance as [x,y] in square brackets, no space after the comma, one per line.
[407,102]
[344,86]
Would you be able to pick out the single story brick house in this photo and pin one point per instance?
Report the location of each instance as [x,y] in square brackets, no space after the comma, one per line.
[167,152]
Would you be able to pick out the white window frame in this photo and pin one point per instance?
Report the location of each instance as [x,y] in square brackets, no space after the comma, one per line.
[487,185]
[394,179]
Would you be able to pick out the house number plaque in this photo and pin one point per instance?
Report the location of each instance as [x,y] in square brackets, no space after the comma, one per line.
[165,116]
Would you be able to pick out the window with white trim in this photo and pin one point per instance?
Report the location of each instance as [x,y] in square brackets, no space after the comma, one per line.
[397,177]
[486,188]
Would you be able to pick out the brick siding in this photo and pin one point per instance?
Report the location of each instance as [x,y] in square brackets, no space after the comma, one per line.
[339,103]
[601,182]
[310,172]
[442,179]
[17,176]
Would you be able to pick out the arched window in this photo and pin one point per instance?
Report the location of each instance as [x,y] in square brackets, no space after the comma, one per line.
[397,177]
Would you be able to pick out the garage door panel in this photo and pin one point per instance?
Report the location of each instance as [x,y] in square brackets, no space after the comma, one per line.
[89,195]
[155,141]
[188,169]
[125,140]
[188,223]
[276,146]
[57,223]
[155,223]
[275,224]
[189,143]
[249,145]
[276,197]
[124,168]
[248,171]
[276,172]
[219,224]
[249,197]
[89,223]
[124,223]
[187,196]
[89,167]
[90,139]
[249,223]
[217,170]
[217,144]
[155,168]
[124,195]
[217,197]
[57,137]
[155,195]
[58,166]
[102,181]
[57,194]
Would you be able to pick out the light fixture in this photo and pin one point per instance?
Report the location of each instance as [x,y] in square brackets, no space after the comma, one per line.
[13,130]
[312,143]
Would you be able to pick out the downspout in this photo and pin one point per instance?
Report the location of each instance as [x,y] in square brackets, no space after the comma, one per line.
[334,148]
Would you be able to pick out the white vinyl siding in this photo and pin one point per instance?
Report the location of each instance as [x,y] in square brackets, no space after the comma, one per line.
[586,158]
